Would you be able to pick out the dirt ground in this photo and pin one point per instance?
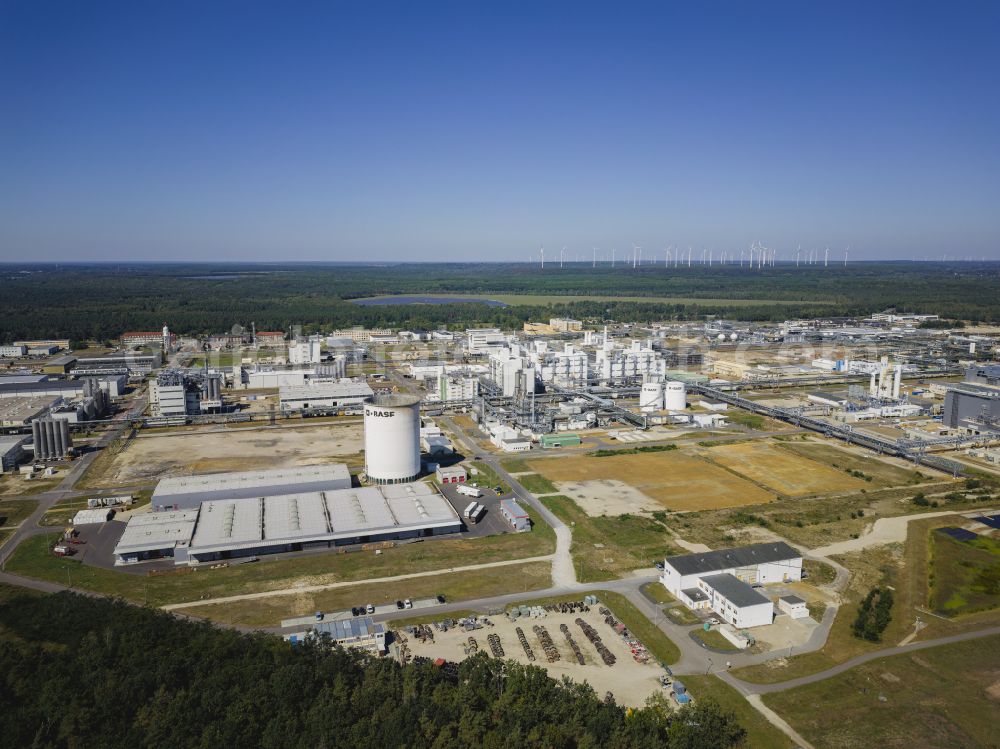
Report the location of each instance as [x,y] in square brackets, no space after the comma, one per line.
[673,480]
[608,497]
[630,682]
[192,452]
[781,470]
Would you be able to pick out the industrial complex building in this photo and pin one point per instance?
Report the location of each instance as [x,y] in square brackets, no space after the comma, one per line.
[722,580]
[228,528]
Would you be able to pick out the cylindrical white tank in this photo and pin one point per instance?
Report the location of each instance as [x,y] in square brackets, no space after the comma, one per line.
[675,398]
[392,438]
[651,396]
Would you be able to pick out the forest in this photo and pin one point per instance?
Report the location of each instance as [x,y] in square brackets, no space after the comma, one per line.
[79,671]
[100,301]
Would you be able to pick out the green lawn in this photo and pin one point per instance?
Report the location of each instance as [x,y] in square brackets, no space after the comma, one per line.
[940,697]
[537,484]
[33,558]
[14,511]
[965,575]
[714,639]
[760,733]
[515,465]
[658,593]
[605,548]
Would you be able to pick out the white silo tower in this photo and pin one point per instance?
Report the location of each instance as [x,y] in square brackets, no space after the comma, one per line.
[676,396]
[392,438]
[651,397]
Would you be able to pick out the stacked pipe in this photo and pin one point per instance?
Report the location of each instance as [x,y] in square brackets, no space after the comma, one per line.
[572,643]
[495,647]
[549,647]
[524,643]
[606,655]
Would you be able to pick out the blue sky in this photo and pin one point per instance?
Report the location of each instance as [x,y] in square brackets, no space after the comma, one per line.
[475,131]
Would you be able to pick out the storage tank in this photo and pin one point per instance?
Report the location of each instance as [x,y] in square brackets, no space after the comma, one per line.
[651,396]
[392,438]
[676,396]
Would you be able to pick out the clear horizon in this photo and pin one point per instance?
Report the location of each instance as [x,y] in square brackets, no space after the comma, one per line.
[249,132]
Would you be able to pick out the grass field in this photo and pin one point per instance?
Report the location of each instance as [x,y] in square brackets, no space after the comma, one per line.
[13,511]
[33,558]
[674,480]
[714,639]
[760,733]
[657,643]
[605,548]
[942,697]
[966,574]
[882,472]
[782,471]
[658,593]
[12,485]
[268,612]
[537,484]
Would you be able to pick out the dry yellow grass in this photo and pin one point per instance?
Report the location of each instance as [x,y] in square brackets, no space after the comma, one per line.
[783,471]
[675,480]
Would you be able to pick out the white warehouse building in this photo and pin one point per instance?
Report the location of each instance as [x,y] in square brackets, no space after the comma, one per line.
[721,580]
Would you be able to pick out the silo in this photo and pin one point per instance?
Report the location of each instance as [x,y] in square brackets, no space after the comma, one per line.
[675,399]
[51,443]
[392,438]
[65,440]
[651,396]
[36,438]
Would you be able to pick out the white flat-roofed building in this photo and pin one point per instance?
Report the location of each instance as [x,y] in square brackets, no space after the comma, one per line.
[736,602]
[771,562]
[91,517]
[324,395]
[154,535]
[187,492]
[229,528]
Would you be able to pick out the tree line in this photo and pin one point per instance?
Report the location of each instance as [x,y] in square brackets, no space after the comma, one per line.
[99,302]
[77,671]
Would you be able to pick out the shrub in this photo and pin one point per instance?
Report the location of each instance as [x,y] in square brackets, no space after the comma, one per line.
[874,615]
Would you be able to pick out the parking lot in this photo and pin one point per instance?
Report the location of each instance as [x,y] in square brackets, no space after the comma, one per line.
[492,522]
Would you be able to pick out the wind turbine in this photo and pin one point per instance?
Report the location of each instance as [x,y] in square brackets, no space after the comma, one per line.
[797,253]
[543,256]
[826,257]
[595,259]
[561,253]
[846,250]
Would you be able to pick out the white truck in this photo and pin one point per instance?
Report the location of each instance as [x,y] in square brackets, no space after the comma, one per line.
[469,491]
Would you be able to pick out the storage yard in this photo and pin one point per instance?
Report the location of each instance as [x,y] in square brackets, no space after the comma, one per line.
[152,455]
[628,679]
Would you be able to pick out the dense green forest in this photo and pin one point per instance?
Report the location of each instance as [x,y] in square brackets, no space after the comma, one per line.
[101,301]
[78,671]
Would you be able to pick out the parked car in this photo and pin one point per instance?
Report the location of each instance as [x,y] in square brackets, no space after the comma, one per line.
[713,621]
[319,616]
[355,611]
[658,565]
[370,608]
[408,603]
[440,598]
[399,604]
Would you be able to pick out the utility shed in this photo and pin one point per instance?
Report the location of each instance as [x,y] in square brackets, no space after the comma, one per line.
[794,606]
[90,517]
[560,440]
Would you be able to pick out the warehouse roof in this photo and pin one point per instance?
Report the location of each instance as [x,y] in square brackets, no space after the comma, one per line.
[744,556]
[325,390]
[151,531]
[349,629]
[231,524]
[245,484]
[733,590]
